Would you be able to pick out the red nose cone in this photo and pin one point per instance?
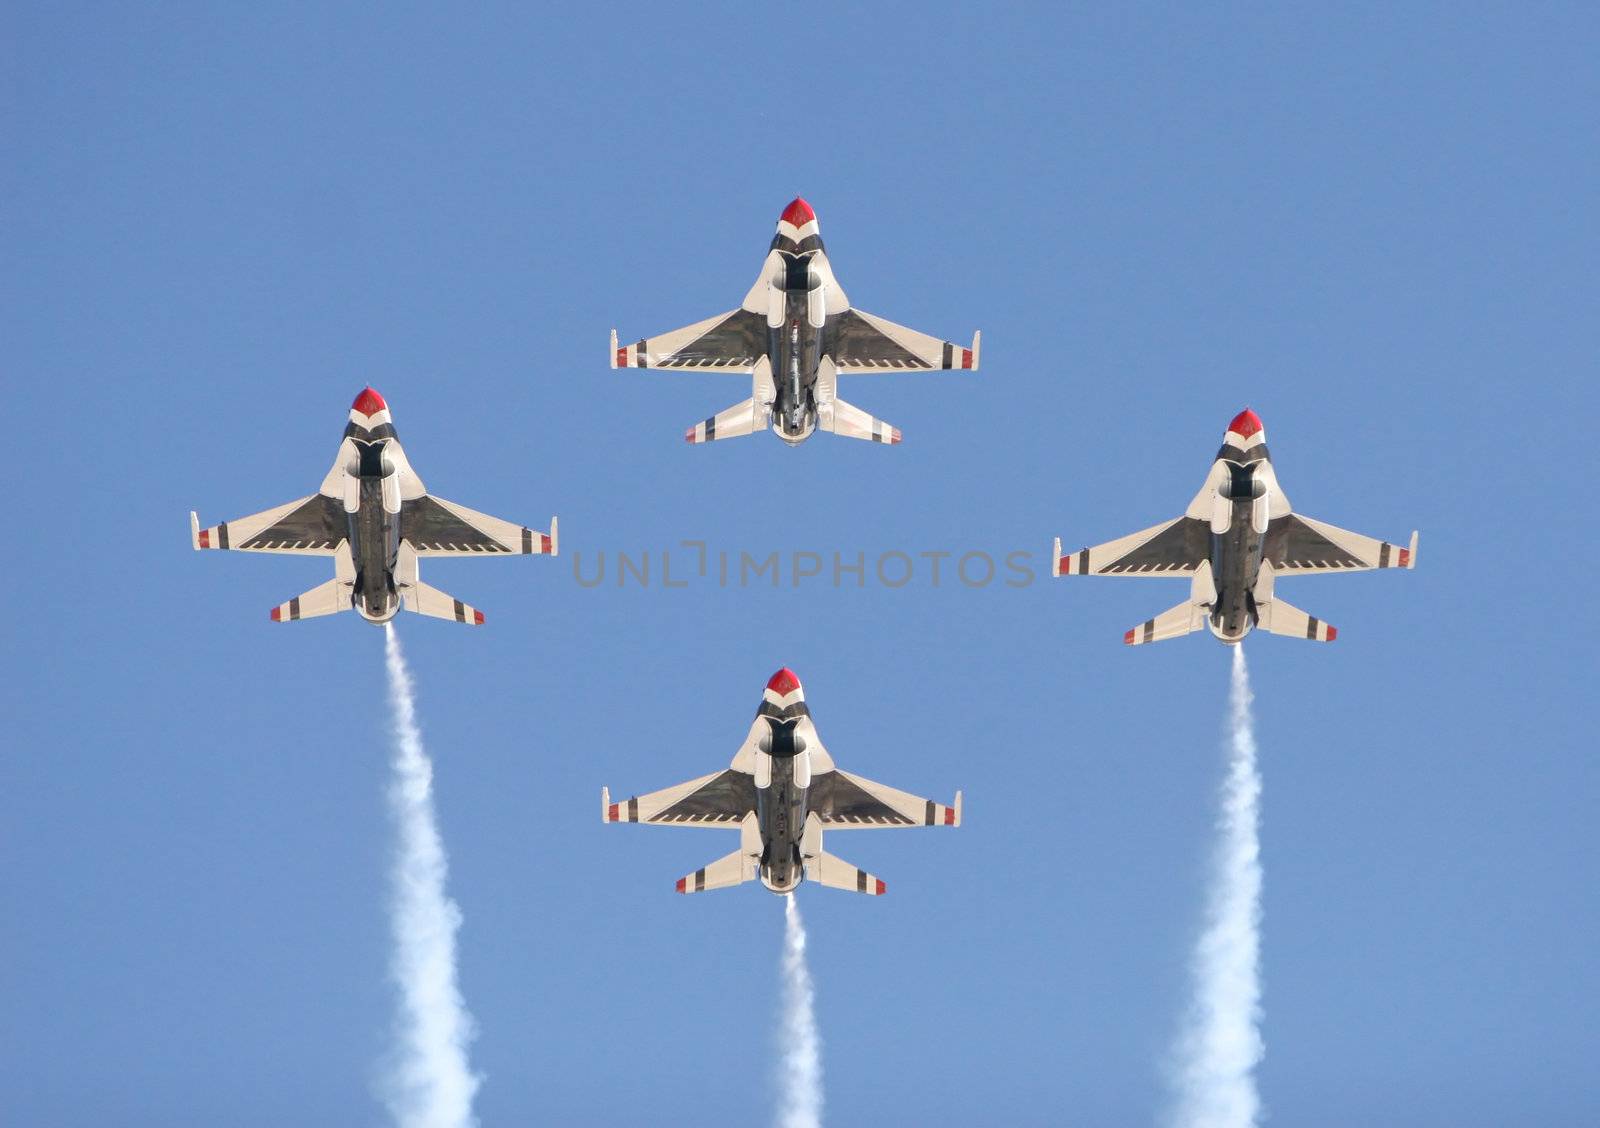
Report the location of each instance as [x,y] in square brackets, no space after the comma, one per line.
[798,213]
[784,682]
[369,402]
[1245,424]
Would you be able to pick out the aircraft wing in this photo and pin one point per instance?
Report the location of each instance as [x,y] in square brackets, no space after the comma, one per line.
[1298,546]
[860,342]
[436,527]
[309,526]
[1173,548]
[720,799]
[728,342]
[848,802]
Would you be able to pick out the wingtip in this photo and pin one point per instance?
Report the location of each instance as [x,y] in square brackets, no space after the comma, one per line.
[1055,558]
[613,348]
[605,804]
[1413,562]
[194,531]
[977,348]
[958,807]
[555,536]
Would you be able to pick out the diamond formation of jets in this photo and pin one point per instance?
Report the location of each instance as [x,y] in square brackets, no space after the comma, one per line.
[794,335]
[374,516]
[780,793]
[1238,536]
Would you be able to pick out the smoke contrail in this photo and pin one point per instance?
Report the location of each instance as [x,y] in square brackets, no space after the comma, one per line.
[1222,1045]
[801,1048]
[429,1083]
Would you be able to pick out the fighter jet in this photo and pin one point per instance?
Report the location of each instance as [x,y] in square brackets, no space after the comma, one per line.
[374,516]
[1238,536]
[780,792]
[794,334]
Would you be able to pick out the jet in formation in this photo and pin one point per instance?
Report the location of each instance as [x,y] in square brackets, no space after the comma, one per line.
[376,519]
[1238,536]
[780,793]
[795,335]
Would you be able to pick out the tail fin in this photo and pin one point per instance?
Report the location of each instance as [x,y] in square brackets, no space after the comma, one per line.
[741,419]
[1286,619]
[836,873]
[731,869]
[1186,618]
[324,599]
[850,421]
[424,600]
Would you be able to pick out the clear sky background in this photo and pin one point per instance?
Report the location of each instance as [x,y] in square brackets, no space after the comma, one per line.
[1377,228]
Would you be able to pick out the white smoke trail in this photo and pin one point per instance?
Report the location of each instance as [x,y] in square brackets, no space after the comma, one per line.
[801,1047]
[1222,1044]
[429,1083]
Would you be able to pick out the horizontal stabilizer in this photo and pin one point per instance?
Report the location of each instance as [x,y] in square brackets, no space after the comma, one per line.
[850,421]
[324,599]
[425,600]
[735,422]
[836,873]
[731,869]
[1185,618]
[1286,619]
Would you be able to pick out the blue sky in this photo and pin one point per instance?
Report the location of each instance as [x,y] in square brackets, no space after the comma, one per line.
[1376,228]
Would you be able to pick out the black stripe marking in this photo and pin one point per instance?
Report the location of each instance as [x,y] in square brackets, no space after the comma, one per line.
[1150,630]
[638,354]
[861,881]
[1311,627]
[927,819]
[294,608]
[222,535]
[948,350]
[633,809]
[711,429]
[354,430]
[1083,562]
[699,880]
[1231,453]
[782,242]
[527,541]
[461,611]
[1383,555]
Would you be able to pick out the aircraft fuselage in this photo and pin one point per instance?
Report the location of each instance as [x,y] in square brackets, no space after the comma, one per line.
[374,529]
[794,349]
[782,806]
[1236,553]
